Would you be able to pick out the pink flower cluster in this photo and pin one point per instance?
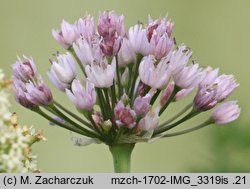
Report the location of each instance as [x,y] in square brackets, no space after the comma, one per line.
[124,75]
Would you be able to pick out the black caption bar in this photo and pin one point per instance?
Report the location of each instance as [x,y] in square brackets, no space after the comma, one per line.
[161,180]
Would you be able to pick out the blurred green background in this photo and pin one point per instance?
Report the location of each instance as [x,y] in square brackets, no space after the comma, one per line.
[217,31]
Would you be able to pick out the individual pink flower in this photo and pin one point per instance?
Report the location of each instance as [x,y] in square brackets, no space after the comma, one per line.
[109,24]
[85,27]
[205,99]
[111,45]
[24,70]
[226,84]
[160,46]
[67,35]
[126,54]
[166,93]
[142,104]
[161,26]
[20,90]
[154,75]
[226,113]
[210,76]
[82,94]
[189,77]
[88,51]
[63,71]
[38,93]
[158,35]
[101,74]
[138,39]
[150,121]
[179,59]
[124,116]
[209,95]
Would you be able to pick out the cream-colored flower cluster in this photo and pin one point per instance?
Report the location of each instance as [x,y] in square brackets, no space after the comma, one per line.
[15,141]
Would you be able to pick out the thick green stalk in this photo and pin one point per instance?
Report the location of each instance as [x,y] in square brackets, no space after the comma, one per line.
[121,157]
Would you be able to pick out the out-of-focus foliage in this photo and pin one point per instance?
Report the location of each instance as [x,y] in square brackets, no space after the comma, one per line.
[230,150]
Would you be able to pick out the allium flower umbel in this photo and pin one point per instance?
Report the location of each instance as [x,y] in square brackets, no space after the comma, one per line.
[128,79]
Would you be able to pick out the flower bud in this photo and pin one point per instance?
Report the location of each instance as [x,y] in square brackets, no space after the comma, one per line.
[107,125]
[125,77]
[166,94]
[138,40]
[179,58]
[210,76]
[24,70]
[58,119]
[39,94]
[161,26]
[88,51]
[101,74]
[67,36]
[111,45]
[226,113]
[155,76]
[63,71]
[150,121]
[85,26]
[189,76]
[210,94]
[83,95]
[109,23]
[160,46]
[126,54]
[142,104]
[20,90]
[97,117]
[124,116]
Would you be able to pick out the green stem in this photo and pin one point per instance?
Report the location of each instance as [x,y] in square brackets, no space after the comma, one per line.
[71,50]
[191,114]
[204,124]
[121,157]
[113,96]
[106,94]
[118,78]
[73,115]
[177,115]
[65,126]
[102,103]
[171,98]
[153,99]
[88,132]
[130,67]
[139,57]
